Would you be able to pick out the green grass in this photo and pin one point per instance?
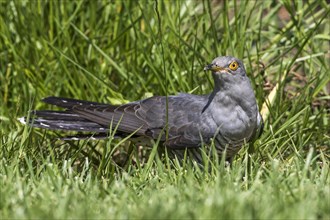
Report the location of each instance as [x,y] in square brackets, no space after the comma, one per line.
[122,51]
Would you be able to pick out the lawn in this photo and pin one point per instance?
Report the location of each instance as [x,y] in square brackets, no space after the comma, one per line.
[121,51]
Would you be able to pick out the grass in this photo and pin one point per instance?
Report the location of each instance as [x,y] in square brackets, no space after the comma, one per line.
[127,50]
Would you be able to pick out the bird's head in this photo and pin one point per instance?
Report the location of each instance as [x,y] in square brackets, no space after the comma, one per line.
[226,65]
[227,70]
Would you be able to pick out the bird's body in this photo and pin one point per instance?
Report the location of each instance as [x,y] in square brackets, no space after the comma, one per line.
[229,115]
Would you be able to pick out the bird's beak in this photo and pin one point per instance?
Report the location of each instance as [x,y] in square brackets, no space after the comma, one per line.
[213,68]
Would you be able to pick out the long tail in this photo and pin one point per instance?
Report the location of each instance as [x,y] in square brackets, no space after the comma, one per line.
[63,120]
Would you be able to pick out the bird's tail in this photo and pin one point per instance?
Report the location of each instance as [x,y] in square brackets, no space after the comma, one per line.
[63,120]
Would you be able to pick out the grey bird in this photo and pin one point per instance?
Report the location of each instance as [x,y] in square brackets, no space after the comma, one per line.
[227,117]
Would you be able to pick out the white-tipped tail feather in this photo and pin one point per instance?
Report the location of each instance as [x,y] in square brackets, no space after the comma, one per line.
[22,120]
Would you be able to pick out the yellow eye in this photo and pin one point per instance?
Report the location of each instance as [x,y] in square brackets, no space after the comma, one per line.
[233,65]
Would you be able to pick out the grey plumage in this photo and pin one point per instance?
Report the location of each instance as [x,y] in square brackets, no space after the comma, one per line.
[229,115]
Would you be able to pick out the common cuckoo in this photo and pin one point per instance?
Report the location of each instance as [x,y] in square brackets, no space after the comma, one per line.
[227,117]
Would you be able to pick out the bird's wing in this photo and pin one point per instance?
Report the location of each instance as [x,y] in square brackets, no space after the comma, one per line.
[260,126]
[180,115]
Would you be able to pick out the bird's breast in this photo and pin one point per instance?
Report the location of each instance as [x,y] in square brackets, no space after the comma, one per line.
[234,124]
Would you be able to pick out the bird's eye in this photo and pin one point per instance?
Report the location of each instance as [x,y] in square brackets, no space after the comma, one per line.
[233,65]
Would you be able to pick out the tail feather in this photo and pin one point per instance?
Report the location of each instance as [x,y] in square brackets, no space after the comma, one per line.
[85,116]
[59,115]
[62,120]
[69,103]
[86,137]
